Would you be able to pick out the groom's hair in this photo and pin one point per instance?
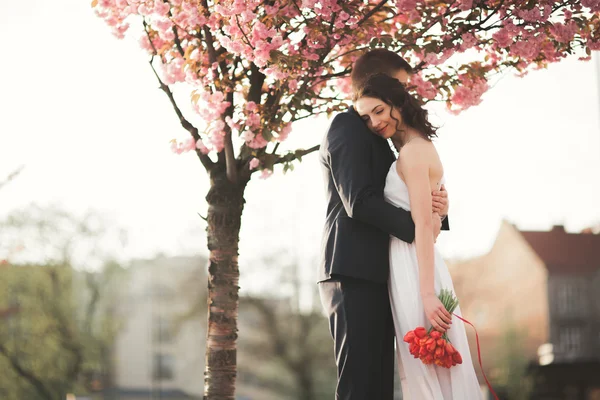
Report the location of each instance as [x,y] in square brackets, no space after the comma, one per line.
[377,61]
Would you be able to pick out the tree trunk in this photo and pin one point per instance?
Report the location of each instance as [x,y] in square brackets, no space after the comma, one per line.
[305,382]
[225,206]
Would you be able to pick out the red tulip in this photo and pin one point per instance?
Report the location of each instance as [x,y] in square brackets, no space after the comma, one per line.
[439,352]
[431,344]
[428,359]
[450,349]
[457,358]
[414,350]
[435,334]
[448,361]
[409,337]
[420,332]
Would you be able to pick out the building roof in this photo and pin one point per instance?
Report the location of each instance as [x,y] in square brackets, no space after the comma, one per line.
[566,253]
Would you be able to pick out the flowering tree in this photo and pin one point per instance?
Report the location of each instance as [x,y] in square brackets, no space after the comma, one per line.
[254,67]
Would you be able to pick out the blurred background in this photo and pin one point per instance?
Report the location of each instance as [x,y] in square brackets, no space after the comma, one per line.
[103,248]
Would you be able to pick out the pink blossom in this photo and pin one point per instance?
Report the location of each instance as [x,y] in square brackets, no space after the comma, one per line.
[176,148]
[288,45]
[200,146]
[144,10]
[466,5]
[189,144]
[255,140]
[344,85]
[424,88]
[432,59]
[293,85]
[255,162]
[503,37]
[252,120]
[468,40]
[275,73]
[564,33]
[233,125]
[308,3]
[593,5]
[406,5]
[251,106]
[173,71]
[468,93]
[526,48]
[161,8]
[533,14]
[217,139]
[145,43]
[593,45]
[284,133]
[210,106]
[183,147]
[266,173]
[247,15]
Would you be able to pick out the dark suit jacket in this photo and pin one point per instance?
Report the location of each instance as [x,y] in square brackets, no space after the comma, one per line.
[359,222]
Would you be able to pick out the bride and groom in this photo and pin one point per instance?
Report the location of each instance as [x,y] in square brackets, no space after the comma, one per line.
[380,273]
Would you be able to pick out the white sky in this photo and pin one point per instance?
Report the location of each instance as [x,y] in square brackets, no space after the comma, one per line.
[83,112]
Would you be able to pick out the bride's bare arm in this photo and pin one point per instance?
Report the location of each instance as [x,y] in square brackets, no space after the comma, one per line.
[414,166]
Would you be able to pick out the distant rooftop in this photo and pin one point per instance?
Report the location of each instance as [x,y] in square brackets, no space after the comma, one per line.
[564,252]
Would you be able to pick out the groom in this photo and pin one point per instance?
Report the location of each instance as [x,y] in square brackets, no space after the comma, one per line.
[354,266]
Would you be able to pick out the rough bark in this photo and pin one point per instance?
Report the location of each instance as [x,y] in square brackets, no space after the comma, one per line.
[225,205]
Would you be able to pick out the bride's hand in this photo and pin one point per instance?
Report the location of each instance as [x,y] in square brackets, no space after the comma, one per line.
[436,313]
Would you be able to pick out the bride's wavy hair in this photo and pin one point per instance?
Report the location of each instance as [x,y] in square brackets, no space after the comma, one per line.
[392,92]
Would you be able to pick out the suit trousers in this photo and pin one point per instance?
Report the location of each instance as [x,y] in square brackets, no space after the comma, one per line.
[361,324]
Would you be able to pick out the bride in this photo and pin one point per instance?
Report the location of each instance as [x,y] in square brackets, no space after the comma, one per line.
[417,270]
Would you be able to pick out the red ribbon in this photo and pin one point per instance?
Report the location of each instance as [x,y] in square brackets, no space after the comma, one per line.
[478,355]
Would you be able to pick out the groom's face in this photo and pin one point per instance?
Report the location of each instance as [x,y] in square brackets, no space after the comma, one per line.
[402,76]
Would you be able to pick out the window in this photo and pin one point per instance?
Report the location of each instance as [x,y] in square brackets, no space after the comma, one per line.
[569,298]
[164,366]
[570,340]
[162,330]
[161,292]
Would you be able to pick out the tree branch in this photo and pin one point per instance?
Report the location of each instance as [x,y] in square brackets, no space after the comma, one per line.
[345,72]
[68,338]
[11,176]
[176,40]
[26,375]
[279,343]
[204,159]
[371,13]
[230,164]
[296,155]
[257,80]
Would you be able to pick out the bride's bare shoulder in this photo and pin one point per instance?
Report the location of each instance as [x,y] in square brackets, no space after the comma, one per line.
[419,150]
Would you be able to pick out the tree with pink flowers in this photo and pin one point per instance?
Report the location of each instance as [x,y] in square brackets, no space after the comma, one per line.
[253,67]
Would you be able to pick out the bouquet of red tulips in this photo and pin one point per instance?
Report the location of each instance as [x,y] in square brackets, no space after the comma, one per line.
[431,346]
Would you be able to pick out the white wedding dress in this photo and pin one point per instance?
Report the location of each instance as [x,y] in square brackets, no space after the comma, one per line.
[420,381]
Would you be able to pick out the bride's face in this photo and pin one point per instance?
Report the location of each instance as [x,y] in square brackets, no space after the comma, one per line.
[376,114]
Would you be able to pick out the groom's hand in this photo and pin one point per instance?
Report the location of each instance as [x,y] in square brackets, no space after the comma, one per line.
[440,201]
